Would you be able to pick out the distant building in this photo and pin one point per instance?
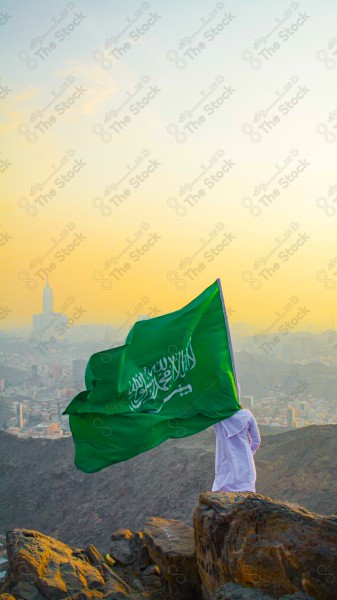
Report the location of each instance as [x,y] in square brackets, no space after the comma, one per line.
[12,429]
[21,422]
[69,393]
[56,372]
[302,408]
[291,417]
[78,366]
[47,323]
[52,428]
[59,412]
[41,428]
[19,415]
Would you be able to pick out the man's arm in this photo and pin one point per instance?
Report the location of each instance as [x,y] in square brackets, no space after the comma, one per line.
[254,433]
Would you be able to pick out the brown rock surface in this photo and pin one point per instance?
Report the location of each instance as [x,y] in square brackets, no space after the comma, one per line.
[135,565]
[140,552]
[171,546]
[262,543]
[120,547]
[42,567]
[233,591]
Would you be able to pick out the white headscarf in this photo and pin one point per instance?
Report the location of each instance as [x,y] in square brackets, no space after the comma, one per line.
[236,422]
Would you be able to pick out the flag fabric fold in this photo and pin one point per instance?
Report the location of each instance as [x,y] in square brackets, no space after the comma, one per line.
[173,377]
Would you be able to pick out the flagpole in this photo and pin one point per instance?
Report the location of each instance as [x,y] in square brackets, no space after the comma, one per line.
[228,332]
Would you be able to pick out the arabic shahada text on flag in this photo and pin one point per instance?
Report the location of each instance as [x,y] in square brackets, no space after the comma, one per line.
[173,377]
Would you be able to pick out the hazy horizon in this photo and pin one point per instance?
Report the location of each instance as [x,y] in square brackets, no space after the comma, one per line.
[149,149]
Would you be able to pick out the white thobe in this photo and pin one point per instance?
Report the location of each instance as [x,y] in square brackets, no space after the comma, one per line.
[234,463]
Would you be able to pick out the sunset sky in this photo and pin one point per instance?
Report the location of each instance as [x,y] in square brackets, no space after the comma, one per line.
[149,148]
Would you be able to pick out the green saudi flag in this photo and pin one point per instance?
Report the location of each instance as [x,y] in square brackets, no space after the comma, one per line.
[174,377]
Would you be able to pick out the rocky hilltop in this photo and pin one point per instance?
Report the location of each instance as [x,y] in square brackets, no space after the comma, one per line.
[41,489]
[242,546]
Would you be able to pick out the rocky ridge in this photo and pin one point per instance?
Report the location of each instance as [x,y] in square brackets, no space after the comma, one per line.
[41,489]
[242,546]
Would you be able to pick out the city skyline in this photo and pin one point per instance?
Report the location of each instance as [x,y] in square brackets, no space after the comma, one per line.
[47,319]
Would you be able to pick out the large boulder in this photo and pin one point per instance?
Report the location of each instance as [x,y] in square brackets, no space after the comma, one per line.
[120,547]
[42,567]
[171,547]
[128,548]
[257,542]
[132,559]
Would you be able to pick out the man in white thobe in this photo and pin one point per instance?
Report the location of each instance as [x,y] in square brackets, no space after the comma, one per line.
[237,439]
